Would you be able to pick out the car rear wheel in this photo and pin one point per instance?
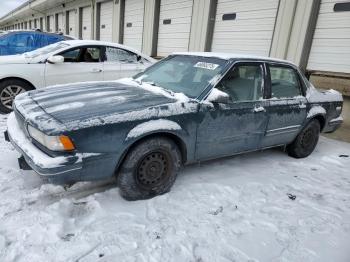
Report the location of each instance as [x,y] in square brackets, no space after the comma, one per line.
[305,143]
[9,89]
[150,169]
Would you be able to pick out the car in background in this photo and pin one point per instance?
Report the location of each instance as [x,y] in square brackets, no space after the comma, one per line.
[19,42]
[67,62]
[187,108]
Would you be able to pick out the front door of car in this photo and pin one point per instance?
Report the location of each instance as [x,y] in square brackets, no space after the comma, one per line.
[119,63]
[238,124]
[80,64]
[287,105]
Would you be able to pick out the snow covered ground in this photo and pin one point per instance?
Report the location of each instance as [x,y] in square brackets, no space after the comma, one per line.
[236,209]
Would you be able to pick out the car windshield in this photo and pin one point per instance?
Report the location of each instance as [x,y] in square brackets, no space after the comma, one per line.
[46,50]
[183,73]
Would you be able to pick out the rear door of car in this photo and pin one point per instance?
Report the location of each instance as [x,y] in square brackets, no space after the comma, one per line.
[287,105]
[239,124]
[81,64]
[120,63]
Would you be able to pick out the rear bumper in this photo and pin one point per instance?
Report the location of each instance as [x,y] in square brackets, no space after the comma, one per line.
[333,125]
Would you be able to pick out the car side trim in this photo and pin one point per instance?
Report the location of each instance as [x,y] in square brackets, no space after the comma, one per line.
[282,130]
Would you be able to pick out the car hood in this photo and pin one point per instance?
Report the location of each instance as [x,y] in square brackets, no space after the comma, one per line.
[14,59]
[75,106]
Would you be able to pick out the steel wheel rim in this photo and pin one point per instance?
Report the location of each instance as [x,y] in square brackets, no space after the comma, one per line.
[8,95]
[153,169]
[308,139]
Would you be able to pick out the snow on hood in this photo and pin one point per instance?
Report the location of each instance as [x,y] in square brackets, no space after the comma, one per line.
[82,105]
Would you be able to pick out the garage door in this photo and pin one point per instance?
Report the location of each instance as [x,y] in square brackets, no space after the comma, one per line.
[133,26]
[60,25]
[86,23]
[72,23]
[330,49]
[51,23]
[106,18]
[174,26]
[244,26]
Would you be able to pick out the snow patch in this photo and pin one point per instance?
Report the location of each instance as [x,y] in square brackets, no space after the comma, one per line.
[63,107]
[215,94]
[153,125]
[314,95]
[316,110]
[180,97]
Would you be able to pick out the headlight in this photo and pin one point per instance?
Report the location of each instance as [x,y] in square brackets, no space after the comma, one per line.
[54,143]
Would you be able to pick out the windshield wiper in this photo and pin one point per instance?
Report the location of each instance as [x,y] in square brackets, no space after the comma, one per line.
[140,82]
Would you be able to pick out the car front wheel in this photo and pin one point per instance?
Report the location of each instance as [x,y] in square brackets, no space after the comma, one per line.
[9,89]
[305,143]
[150,169]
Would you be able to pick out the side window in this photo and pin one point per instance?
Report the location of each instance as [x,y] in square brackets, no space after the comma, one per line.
[120,55]
[284,82]
[21,40]
[82,55]
[243,83]
[72,56]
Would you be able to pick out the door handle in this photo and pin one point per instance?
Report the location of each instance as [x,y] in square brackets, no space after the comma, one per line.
[96,70]
[258,109]
[302,105]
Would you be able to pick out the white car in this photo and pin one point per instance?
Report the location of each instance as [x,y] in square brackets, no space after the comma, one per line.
[67,62]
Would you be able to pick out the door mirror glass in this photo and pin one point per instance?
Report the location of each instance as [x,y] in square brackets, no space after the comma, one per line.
[57,59]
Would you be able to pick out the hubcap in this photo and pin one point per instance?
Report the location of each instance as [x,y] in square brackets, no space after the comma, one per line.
[153,169]
[8,94]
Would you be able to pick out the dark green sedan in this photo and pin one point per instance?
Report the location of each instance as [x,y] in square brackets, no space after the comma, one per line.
[189,107]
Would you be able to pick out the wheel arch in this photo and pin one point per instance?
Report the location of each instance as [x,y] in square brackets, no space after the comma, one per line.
[18,78]
[321,119]
[175,138]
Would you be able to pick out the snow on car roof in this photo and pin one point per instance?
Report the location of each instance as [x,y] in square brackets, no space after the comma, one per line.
[228,56]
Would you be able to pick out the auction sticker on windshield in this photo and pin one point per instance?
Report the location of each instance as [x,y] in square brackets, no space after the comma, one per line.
[209,66]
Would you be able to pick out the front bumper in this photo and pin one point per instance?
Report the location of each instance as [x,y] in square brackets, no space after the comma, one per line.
[60,169]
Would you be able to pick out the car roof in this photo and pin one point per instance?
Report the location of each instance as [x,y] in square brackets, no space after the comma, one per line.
[74,43]
[232,56]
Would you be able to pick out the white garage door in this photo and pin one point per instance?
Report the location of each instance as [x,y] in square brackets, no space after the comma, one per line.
[330,49]
[86,23]
[174,26]
[60,25]
[106,21]
[71,23]
[244,26]
[51,23]
[133,26]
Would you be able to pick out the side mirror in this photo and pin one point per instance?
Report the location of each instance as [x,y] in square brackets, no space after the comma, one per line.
[56,59]
[217,96]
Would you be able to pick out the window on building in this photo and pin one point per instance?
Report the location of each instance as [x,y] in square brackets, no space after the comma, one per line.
[342,7]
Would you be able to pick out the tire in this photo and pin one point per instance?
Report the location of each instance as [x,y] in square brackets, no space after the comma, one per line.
[150,169]
[306,141]
[9,89]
